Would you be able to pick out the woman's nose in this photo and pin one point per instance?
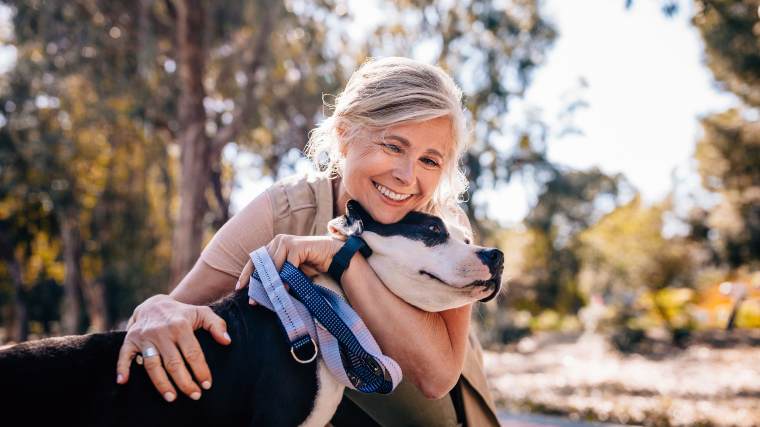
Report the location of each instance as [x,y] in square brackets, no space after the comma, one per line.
[404,172]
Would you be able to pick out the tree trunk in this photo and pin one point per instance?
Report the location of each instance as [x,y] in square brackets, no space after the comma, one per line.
[194,144]
[72,275]
[19,331]
[95,298]
[18,326]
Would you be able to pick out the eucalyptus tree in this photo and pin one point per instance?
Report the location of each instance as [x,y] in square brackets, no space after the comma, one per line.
[137,101]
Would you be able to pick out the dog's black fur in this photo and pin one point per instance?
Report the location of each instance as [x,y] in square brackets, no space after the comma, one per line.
[70,381]
[256,381]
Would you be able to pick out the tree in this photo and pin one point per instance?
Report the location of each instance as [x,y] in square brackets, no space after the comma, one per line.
[728,152]
[728,156]
[729,30]
[122,112]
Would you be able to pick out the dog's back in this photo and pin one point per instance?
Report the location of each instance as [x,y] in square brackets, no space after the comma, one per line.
[70,380]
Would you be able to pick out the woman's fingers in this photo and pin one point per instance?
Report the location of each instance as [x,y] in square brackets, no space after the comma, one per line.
[157,374]
[245,275]
[277,250]
[128,351]
[175,366]
[206,318]
[191,351]
[309,271]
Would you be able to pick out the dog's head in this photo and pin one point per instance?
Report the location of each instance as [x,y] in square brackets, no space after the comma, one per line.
[424,261]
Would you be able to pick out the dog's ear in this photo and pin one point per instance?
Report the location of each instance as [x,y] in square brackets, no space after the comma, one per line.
[352,223]
[342,227]
[338,228]
[355,212]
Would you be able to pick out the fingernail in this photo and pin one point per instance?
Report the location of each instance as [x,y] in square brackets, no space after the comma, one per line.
[237,285]
[195,395]
[227,337]
[119,378]
[206,385]
[169,396]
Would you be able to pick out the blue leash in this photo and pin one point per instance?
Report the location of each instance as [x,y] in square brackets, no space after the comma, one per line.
[366,371]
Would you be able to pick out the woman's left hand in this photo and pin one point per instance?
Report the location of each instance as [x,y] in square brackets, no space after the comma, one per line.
[312,254]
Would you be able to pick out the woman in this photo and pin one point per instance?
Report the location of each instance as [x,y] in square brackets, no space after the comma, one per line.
[393,143]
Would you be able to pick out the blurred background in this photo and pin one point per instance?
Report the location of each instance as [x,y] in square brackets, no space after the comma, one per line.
[616,162]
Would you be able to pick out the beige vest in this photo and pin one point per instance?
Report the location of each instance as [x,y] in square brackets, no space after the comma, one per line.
[303,206]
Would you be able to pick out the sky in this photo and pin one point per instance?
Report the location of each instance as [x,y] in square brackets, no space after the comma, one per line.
[647,88]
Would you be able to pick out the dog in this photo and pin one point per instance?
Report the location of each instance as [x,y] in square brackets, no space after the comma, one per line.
[70,380]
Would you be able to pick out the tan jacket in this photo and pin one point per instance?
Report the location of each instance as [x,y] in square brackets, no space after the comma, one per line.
[302,205]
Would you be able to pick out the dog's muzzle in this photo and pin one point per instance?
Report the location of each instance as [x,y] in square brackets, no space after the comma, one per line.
[494,259]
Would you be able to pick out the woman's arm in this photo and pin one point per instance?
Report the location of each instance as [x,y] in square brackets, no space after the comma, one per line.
[429,346]
[167,322]
[203,285]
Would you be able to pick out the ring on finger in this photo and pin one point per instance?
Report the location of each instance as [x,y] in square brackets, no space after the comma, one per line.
[149,352]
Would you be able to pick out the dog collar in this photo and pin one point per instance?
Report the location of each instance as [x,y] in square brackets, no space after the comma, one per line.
[342,258]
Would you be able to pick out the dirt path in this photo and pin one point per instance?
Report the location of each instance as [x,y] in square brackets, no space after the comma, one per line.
[585,379]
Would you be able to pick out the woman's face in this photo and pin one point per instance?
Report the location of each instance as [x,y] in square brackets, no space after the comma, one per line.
[398,173]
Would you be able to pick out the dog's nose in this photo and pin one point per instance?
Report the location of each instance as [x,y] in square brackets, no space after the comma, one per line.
[493,258]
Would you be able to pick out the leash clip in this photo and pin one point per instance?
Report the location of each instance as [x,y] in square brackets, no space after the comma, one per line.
[310,359]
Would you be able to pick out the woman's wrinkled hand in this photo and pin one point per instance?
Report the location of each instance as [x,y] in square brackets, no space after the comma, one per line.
[312,254]
[168,326]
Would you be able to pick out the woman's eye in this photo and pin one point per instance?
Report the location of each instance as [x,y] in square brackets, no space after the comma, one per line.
[392,147]
[430,162]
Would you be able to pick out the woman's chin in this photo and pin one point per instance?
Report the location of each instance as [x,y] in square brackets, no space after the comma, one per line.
[387,217]
[386,213]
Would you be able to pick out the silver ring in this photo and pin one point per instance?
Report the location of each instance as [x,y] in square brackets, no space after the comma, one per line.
[149,352]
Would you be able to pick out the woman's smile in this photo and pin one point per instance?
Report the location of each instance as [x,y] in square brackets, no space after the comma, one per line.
[392,196]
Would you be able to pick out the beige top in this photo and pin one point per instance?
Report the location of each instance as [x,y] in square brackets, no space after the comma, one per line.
[302,205]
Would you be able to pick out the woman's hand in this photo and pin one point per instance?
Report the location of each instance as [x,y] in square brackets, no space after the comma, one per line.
[312,254]
[167,325]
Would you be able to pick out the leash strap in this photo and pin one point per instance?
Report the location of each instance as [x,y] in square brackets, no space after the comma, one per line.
[366,367]
[281,303]
[348,349]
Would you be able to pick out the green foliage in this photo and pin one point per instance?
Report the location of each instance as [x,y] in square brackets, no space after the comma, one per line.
[89,160]
[625,253]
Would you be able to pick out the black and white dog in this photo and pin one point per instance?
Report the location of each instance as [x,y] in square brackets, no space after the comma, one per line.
[70,380]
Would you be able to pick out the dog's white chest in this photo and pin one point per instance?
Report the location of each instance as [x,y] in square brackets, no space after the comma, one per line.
[329,395]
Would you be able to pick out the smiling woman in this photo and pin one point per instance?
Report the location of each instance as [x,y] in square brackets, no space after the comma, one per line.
[399,170]
[393,144]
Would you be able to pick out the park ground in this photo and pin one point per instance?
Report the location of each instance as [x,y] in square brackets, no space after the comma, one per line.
[574,380]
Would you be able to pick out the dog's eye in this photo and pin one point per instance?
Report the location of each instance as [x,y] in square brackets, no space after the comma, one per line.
[434,228]
[466,241]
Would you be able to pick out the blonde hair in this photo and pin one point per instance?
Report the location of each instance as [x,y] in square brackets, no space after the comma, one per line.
[390,91]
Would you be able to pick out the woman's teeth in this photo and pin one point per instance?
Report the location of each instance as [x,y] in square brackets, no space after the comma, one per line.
[390,194]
